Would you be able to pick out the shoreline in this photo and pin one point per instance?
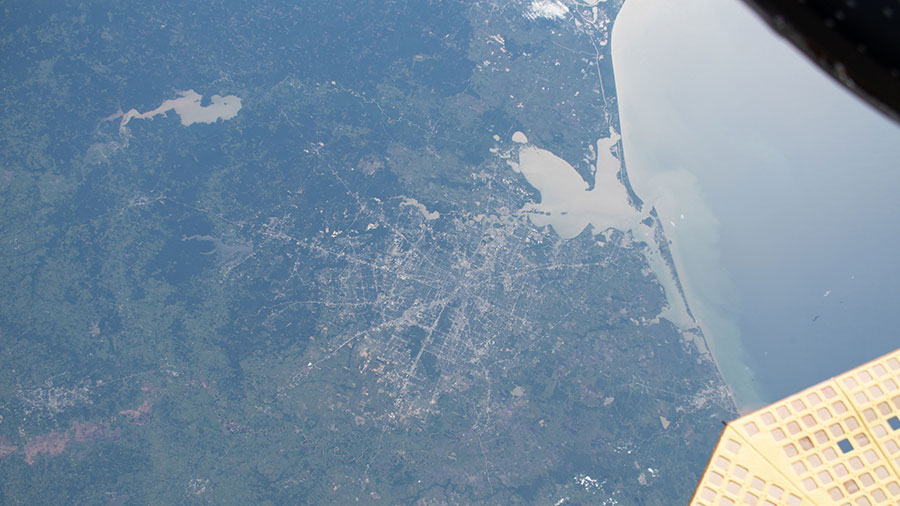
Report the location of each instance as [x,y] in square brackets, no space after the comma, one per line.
[692,316]
[568,205]
[743,394]
[691,328]
[690,249]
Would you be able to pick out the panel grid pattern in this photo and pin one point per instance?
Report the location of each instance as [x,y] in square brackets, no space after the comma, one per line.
[836,443]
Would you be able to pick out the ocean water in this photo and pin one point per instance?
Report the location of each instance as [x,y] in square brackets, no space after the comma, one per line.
[778,190]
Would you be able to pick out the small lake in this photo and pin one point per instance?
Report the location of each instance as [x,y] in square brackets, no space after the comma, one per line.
[777,187]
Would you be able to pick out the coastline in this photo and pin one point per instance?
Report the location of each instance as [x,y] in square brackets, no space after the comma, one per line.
[735,376]
[569,207]
[688,231]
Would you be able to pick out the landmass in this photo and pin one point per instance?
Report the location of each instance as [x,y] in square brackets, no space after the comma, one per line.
[351,291]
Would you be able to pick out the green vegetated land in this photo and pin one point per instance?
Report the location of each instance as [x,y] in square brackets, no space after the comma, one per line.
[254,311]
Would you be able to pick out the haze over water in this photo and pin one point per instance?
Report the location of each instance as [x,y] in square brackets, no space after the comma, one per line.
[777,187]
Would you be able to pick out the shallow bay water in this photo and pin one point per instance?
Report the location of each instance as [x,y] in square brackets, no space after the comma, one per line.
[776,186]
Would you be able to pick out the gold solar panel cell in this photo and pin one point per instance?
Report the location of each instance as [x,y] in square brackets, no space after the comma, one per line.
[874,386]
[738,474]
[835,443]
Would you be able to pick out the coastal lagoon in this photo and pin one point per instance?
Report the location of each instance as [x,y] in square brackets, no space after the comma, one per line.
[776,187]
